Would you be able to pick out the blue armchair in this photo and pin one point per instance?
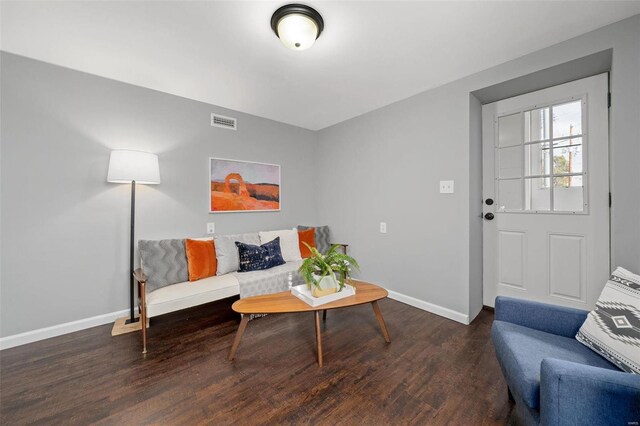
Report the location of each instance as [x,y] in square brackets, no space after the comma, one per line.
[553,378]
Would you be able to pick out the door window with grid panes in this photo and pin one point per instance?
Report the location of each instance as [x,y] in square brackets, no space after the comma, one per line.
[541,159]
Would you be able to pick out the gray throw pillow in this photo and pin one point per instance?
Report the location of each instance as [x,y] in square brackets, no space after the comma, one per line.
[227,252]
[612,329]
[164,262]
[323,241]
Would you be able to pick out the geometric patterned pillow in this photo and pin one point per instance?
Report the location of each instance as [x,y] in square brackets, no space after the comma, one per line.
[323,241]
[612,329]
[164,262]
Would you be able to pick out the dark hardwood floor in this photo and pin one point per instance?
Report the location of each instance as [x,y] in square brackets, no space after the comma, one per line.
[435,371]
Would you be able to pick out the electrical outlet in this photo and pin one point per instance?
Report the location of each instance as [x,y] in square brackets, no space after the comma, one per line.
[446,187]
[383,227]
[211,228]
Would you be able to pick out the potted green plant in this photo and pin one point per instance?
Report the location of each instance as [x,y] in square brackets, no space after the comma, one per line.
[326,273]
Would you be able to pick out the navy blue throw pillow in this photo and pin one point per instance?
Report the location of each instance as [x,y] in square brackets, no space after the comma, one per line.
[256,258]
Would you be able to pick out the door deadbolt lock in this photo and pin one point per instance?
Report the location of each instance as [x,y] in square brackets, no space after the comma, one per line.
[489,201]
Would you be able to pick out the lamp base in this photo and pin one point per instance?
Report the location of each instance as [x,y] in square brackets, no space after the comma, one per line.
[131,321]
[123,326]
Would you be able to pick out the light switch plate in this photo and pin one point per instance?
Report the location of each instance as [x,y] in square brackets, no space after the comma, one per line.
[446,187]
[383,227]
[211,228]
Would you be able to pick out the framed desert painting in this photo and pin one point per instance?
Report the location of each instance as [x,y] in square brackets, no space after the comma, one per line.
[243,186]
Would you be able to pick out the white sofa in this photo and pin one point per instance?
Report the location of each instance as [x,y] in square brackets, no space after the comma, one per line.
[173,296]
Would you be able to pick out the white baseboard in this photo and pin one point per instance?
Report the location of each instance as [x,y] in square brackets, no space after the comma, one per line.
[70,327]
[57,330]
[429,307]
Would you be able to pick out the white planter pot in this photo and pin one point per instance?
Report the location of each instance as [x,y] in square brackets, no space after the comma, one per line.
[326,285]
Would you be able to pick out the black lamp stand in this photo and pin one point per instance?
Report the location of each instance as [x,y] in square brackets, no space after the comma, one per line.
[132,293]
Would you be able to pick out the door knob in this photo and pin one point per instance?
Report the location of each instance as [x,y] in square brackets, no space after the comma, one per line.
[489,201]
[489,216]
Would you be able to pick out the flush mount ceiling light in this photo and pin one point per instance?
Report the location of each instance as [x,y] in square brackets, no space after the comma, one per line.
[297,25]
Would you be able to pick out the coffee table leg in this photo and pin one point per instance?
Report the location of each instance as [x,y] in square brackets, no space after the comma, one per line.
[318,337]
[324,315]
[239,333]
[376,310]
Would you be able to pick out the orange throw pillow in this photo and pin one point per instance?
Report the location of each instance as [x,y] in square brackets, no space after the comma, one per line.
[201,259]
[307,236]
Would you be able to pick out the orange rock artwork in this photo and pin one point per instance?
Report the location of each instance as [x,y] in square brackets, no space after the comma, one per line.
[238,186]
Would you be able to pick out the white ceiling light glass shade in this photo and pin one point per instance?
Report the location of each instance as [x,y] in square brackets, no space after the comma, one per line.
[298,26]
[297,32]
[126,166]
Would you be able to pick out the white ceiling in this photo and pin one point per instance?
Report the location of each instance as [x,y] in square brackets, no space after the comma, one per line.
[370,54]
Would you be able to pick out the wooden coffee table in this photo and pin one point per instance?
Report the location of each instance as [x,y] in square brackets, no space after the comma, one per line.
[285,302]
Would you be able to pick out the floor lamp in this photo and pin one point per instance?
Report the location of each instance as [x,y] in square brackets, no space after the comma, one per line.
[133,167]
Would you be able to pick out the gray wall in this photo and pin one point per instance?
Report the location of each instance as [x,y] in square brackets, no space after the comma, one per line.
[391,160]
[65,229]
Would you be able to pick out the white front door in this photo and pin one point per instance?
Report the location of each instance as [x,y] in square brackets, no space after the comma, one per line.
[546,195]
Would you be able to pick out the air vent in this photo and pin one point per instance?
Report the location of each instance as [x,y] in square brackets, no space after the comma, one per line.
[222,121]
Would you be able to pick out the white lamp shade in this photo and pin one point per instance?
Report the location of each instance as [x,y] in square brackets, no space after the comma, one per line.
[126,166]
[297,32]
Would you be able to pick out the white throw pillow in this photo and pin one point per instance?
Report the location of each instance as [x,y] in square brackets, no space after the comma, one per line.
[289,244]
[612,329]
